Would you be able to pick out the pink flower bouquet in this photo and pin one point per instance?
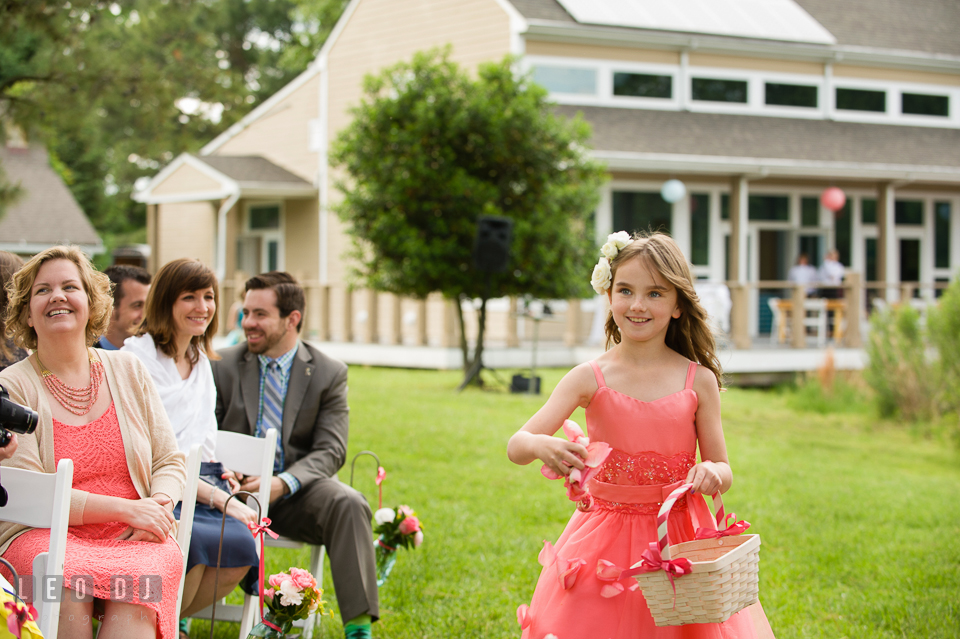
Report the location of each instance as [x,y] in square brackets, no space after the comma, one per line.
[394,528]
[292,595]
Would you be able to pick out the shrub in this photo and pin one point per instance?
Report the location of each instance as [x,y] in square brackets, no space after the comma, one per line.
[906,380]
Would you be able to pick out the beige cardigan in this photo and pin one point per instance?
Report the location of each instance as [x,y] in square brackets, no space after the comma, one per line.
[155,463]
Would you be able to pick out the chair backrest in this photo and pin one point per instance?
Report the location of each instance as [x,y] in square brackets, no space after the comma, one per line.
[42,500]
[774,304]
[187,508]
[250,456]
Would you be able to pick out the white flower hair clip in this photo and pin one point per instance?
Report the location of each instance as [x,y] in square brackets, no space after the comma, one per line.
[601,272]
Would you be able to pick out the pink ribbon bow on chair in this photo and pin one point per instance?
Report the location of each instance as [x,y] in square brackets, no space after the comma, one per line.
[258,531]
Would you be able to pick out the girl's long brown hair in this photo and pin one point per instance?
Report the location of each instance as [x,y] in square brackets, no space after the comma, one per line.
[690,334]
[171,280]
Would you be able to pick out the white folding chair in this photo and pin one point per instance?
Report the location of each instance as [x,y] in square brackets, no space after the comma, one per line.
[248,456]
[188,505]
[42,500]
[254,456]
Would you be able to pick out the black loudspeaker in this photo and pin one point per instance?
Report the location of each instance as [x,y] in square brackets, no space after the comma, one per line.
[523,384]
[491,251]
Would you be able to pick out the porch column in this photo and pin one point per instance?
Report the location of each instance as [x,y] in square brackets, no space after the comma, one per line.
[680,224]
[887,271]
[421,335]
[739,293]
[571,335]
[396,320]
[372,332]
[323,325]
[153,237]
[513,340]
[347,336]
[853,293]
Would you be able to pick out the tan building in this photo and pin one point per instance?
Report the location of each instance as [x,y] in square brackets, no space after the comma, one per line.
[755,113]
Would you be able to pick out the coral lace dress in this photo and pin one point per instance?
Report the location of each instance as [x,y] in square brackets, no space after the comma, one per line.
[654,446]
[95,559]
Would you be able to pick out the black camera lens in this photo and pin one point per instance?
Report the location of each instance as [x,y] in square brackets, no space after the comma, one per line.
[15,417]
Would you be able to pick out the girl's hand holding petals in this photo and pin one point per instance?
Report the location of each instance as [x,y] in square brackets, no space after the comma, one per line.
[561,456]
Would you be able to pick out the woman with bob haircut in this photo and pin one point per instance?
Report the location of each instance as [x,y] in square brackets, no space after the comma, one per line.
[174,343]
[101,409]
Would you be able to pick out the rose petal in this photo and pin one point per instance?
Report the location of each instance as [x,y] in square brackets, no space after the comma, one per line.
[547,555]
[597,453]
[611,590]
[524,618]
[547,472]
[608,571]
[567,571]
[572,429]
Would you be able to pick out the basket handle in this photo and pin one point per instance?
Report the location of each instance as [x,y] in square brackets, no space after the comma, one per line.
[663,516]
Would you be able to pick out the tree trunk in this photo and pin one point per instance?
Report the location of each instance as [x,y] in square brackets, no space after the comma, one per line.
[473,366]
[464,349]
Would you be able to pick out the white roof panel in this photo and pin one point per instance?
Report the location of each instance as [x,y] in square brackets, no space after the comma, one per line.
[766,19]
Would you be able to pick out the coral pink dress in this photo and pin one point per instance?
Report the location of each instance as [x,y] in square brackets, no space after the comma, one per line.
[654,446]
[95,559]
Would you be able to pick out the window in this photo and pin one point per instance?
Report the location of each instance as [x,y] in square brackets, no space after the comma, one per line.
[642,86]
[700,229]
[264,217]
[861,100]
[868,210]
[919,104]
[843,232]
[908,212]
[711,90]
[941,234]
[809,211]
[566,79]
[769,207]
[791,95]
[725,206]
[637,211]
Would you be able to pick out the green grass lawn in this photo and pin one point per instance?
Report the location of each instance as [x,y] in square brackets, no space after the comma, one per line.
[858,517]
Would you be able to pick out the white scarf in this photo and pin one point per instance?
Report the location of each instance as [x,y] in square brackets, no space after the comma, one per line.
[190,403]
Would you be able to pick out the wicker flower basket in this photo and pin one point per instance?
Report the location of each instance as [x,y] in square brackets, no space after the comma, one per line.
[723,576]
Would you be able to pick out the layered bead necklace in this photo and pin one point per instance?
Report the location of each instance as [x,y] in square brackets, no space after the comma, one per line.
[78,401]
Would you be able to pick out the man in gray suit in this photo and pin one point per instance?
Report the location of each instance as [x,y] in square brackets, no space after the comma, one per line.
[275,380]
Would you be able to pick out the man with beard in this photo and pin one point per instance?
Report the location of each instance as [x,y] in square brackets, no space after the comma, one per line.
[276,380]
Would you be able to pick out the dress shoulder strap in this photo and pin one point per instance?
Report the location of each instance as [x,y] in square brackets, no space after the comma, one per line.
[691,374]
[597,374]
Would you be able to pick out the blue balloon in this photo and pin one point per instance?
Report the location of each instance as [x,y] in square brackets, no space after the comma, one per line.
[673,190]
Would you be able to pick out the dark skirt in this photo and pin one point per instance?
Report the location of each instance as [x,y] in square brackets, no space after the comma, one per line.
[239,546]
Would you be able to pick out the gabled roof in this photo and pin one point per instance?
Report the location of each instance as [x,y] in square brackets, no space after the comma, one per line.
[647,140]
[920,26]
[215,177]
[46,213]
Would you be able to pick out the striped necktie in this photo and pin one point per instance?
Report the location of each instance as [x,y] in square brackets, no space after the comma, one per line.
[273,409]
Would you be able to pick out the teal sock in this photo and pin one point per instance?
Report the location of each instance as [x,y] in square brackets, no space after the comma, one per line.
[358,628]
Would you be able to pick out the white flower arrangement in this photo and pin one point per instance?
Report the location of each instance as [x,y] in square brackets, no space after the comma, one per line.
[600,280]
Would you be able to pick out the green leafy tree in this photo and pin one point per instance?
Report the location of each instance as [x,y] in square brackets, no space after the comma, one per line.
[429,150]
[117,89]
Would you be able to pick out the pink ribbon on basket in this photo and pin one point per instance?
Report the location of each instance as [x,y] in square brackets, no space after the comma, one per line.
[652,561]
[258,531]
[736,528]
